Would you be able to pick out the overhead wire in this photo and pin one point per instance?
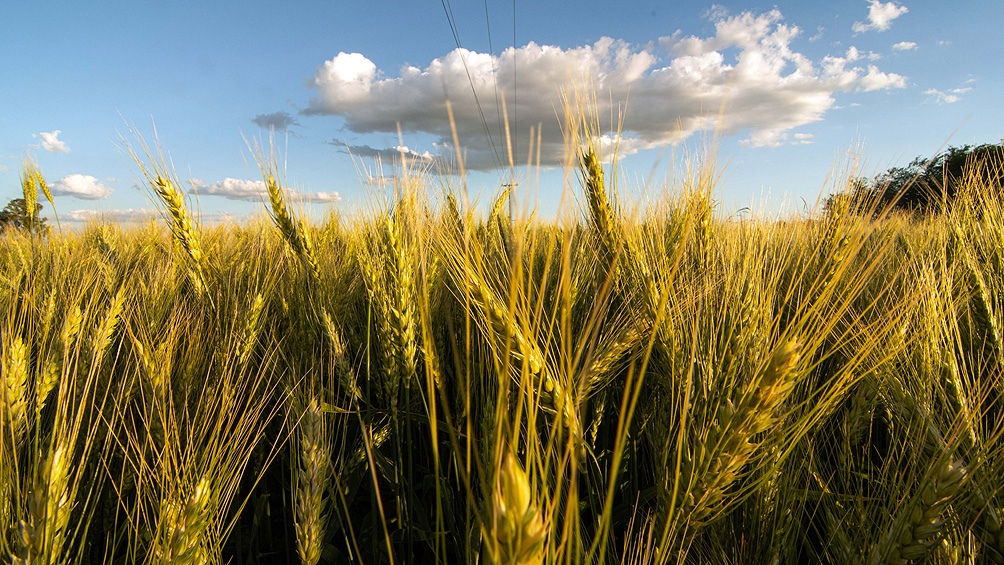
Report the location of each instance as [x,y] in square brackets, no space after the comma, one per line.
[448,9]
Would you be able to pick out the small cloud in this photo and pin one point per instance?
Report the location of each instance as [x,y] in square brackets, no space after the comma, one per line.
[880,16]
[4,168]
[84,187]
[878,80]
[818,35]
[129,215]
[231,189]
[51,143]
[944,42]
[390,154]
[716,12]
[776,138]
[854,54]
[803,139]
[276,121]
[942,97]
[904,46]
[317,197]
[255,191]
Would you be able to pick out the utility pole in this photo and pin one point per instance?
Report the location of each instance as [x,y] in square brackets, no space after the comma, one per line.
[512,206]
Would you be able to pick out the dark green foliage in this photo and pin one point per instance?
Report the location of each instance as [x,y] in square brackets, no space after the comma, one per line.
[15,216]
[931,185]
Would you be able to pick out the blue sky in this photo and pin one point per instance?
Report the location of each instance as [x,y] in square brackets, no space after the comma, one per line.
[792,88]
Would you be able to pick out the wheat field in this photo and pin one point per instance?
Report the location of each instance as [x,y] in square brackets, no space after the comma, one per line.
[433,384]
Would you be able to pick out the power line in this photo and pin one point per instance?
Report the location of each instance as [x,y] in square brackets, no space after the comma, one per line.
[495,79]
[515,106]
[448,9]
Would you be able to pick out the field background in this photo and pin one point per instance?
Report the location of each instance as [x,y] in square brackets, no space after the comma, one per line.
[649,384]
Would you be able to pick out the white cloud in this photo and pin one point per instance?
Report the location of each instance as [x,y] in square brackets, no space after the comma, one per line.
[667,90]
[128,215]
[84,187]
[51,143]
[904,46]
[878,80]
[255,191]
[317,197]
[4,168]
[232,189]
[880,16]
[950,97]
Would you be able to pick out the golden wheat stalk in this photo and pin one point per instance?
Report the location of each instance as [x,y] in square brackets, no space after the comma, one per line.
[252,329]
[49,377]
[312,482]
[343,368]
[294,232]
[106,330]
[517,530]
[718,459]
[617,248]
[988,526]
[182,526]
[14,386]
[43,534]
[924,527]
[31,168]
[402,323]
[499,318]
[29,188]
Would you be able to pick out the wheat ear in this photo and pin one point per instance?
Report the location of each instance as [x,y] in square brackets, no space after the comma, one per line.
[182,525]
[518,530]
[718,458]
[294,233]
[43,534]
[182,228]
[925,524]
[14,384]
[313,481]
[29,188]
[252,329]
[49,378]
[402,296]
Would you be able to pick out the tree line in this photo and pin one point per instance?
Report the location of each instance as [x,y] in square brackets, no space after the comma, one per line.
[927,185]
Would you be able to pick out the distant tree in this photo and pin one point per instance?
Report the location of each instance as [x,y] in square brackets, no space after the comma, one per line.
[931,185]
[15,216]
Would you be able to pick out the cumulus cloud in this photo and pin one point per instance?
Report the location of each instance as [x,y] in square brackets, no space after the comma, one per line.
[255,191]
[880,16]
[51,142]
[745,78]
[84,187]
[877,80]
[904,46]
[276,121]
